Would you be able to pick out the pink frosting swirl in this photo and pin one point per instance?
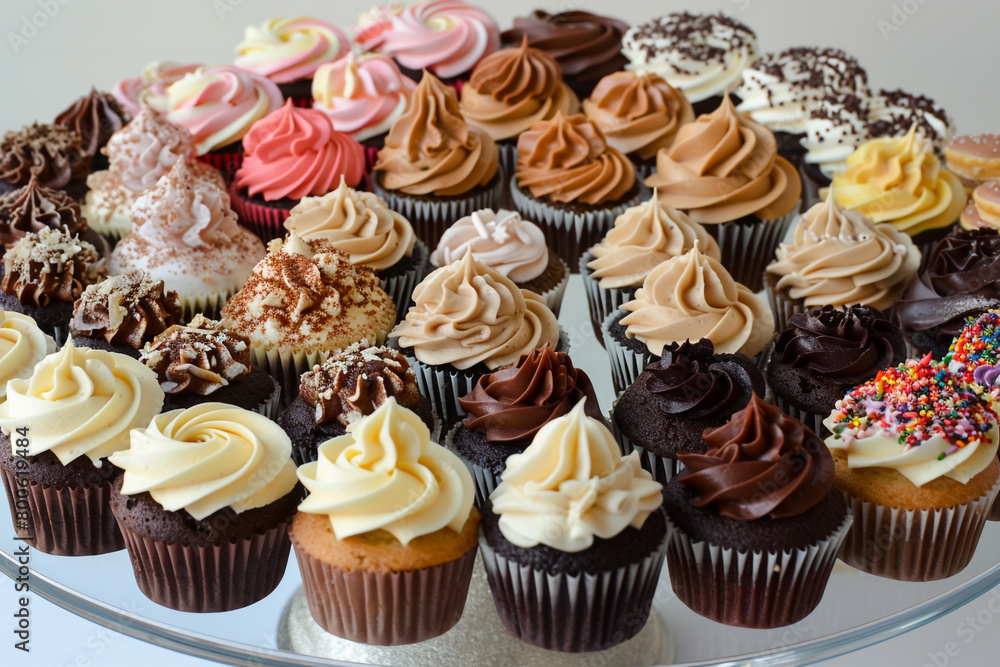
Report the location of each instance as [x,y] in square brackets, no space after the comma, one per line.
[286,50]
[448,37]
[296,153]
[145,149]
[500,240]
[150,87]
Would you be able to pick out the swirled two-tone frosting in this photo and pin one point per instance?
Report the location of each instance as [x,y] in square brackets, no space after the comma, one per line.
[447,37]
[207,458]
[572,485]
[22,345]
[386,474]
[81,402]
[432,150]
[219,105]
[639,112]
[53,154]
[842,258]
[198,359]
[149,89]
[286,50]
[295,153]
[644,237]
[128,309]
[356,222]
[512,404]
[467,313]
[691,297]
[723,167]
[568,159]
[95,117]
[762,464]
[362,95]
[34,208]
[900,181]
[975,158]
[500,240]
[983,211]
[50,267]
[512,89]
[917,419]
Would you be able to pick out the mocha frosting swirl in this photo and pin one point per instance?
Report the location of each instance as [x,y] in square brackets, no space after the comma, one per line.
[50,267]
[52,153]
[128,309]
[95,117]
[197,360]
[33,208]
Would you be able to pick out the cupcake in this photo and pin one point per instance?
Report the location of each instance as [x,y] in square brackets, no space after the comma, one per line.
[686,298]
[219,105]
[916,458]
[95,117]
[35,208]
[983,211]
[288,51]
[754,521]
[122,313]
[572,183]
[973,356]
[839,258]
[468,320]
[185,234]
[821,355]
[138,155]
[22,345]
[53,154]
[346,387]
[291,154]
[975,159]
[304,302]
[60,423]
[584,524]
[955,284]
[643,237]
[204,504]
[586,46]
[701,55]
[149,89]
[386,538]
[445,37]
[510,91]
[676,398]
[507,407]
[639,114]
[508,244]
[204,362]
[724,171]
[361,225]
[435,168]
[44,273]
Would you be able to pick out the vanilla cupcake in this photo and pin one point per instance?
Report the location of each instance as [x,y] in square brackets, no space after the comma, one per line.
[983,211]
[975,159]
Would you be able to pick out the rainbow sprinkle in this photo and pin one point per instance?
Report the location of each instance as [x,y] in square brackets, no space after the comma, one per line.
[977,345]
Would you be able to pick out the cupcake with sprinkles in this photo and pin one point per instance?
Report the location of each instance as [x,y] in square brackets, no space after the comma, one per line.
[916,457]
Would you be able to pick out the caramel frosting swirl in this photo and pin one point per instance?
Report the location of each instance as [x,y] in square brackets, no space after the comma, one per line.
[512,89]
[22,345]
[500,240]
[983,211]
[639,112]
[128,309]
[692,297]
[467,313]
[568,159]
[50,267]
[842,258]
[197,359]
[34,208]
[644,237]
[52,153]
[431,149]
[356,222]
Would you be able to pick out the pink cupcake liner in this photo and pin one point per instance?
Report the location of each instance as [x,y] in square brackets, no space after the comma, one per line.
[226,162]
[264,221]
[371,158]
[747,249]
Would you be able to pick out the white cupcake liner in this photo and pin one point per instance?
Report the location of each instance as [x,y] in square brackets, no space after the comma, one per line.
[208,304]
[661,468]
[626,364]
[812,422]
[747,249]
[286,366]
[484,479]
[508,156]
[400,287]
[601,302]
[753,589]
[553,298]
[270,406]
[573,613]
[915,545]
[569,233]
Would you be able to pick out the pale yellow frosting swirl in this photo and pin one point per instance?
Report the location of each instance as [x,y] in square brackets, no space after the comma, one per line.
[572,484]
[80,401]
[209,457]
[467,313]
[842,258]
[22,345]
[643,237]
[691,297]
[386,474]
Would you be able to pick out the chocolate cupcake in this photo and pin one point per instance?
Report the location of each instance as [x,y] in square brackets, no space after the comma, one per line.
[95,117]
[346,387]
[33,208]
[823,354]
[754,514]
[676,398]
[52,154]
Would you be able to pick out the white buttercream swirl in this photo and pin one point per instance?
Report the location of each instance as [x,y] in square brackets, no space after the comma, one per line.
[22,345]
[500,240]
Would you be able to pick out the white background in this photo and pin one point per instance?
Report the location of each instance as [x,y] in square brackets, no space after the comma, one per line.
[947,50]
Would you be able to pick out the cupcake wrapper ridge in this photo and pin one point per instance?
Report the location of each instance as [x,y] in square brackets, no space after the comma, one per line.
[601,302]
[269,408]
[400,287]
[782,306]
[226,162]
[554,297]
[208,304]
[265,221]
[626,364]
[747,249]
[484,480]
[812,422]
[660,467]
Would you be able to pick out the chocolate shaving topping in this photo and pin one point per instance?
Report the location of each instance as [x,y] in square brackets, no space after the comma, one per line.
[50,267]
[50,152]
[129,309]
[197,359]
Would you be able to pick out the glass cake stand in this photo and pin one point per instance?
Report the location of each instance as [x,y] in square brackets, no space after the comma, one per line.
[857,609]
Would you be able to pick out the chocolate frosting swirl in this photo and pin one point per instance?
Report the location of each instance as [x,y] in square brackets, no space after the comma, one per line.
[51,152]
[849,345]
[95,117]
[514,403]
[129,309]
[33,208]
[354,383]
[50,267]
[690,380]
[762,463]
[197,359]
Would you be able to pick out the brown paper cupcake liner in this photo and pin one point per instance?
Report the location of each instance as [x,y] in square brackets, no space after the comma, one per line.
[400,287]
[601,302]
[485,481]
[812,422]
[660,467]
[626,364]
[915,545]
[751,589]
[994,510]
[386,608]
[572,613]
[747,249]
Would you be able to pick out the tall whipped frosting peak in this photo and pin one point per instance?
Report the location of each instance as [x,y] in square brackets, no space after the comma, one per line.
[500,240]
[286,50]
[145,149]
